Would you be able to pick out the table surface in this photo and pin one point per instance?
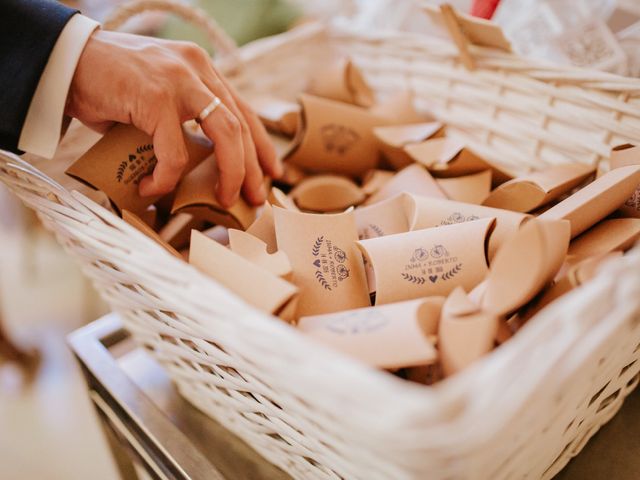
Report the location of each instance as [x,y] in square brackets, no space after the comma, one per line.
[188,444]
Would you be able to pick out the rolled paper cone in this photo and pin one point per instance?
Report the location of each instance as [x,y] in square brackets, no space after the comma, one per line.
[412,179]
[529,192]
[392,336]
[327,193]
[277,115]
[472,188]
[264,228]
[255,250]
[598,199]
[122,158]
[254,284]
[195,194]
[466,333]
[383,218]
[136,222]
[621,156]
[399,109]
[218,233]
[335,138]
[616,234]
[448,157]
[342,81]
[177,231]
[327,266]
[278,198]
[525,264]
[373,180]
[432,212]
[427,262]
[392,140]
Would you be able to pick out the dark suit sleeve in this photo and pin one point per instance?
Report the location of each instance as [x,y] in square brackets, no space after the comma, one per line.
[29,30]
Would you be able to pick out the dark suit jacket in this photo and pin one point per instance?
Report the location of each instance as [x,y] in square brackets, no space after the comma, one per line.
[28,31]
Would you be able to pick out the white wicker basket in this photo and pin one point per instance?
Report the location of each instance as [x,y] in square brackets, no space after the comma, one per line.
[523,411]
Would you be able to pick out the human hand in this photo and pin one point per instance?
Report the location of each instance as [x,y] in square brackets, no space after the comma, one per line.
[156,85]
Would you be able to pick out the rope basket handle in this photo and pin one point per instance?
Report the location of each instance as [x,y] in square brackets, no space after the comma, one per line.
[218,38]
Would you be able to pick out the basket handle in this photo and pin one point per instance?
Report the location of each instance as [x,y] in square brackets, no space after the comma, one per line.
[218,38]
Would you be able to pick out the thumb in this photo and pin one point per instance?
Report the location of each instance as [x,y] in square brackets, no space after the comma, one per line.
[170,150]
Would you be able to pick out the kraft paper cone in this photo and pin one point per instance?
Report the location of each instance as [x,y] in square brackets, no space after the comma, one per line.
[383,218]
[525,263]
[399,109]
[342,81]
[412,179]
[335,138]
[121,158]
[264,228]
[594,202]
[277,115]
[427,262]
[254,284]
[255,250]
[529,192]
[327,266]
[617,234]
[447,157]
[472,188]
[327,193]
[392,336]
[195,194]
[392,140]
[466,333]
[150,217]
[432,212]
[136,222]
[292,175]
[278,198]
[373,180]
[621,156]
[177,231]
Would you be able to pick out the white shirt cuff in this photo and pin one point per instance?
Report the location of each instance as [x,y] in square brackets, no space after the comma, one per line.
[43,124]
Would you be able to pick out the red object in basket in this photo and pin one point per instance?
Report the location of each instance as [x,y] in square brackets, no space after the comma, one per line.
[484,8]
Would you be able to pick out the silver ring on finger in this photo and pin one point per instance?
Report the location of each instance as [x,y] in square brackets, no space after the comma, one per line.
[209,109]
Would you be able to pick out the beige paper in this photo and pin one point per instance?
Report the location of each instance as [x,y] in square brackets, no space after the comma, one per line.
[383,218]
[526,262]
[327,266]
[529,192]
[255,285]
[448,157]
[392,140]
[412,179]
[264,228]
[621,156]
[392,336]
[398,109]
[472,188]
[278,198]
[218,233]
[342,81]
[136,222]
[124,156]
[432,212]
[616,234]
[466,333]
[196,195]
[597,200]
[177,231]
[255,250]
[277,115]
[327,193]
[428,262]
[373,180]
[335,138]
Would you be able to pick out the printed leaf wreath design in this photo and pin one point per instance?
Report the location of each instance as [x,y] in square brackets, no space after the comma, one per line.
[143,148]
[452,273]
[338,138]
[322,280]
[121,169]
[316,246]
[414,279]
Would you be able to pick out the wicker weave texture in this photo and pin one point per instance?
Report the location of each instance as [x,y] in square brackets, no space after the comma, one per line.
[522,411]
